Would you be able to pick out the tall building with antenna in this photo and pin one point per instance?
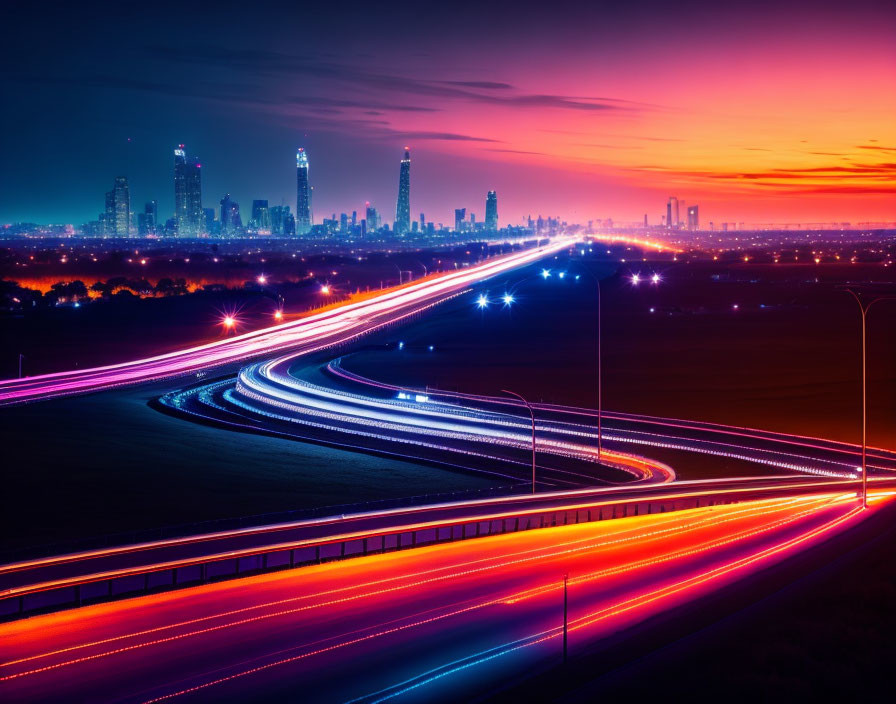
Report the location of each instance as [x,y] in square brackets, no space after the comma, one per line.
[403,208]
[303,194]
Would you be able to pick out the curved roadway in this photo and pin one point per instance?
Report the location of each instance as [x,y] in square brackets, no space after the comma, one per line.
[315,332]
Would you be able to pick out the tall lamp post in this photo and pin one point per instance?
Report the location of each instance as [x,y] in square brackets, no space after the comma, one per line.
[532,415]
[864,307]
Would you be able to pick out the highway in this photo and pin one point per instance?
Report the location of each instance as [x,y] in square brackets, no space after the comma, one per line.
[437,623]
[326,402]
[315,332]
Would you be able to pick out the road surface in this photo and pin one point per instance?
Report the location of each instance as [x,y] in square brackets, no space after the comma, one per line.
[326,402]
[432,624]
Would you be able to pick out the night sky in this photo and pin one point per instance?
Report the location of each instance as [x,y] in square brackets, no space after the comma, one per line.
[759,112]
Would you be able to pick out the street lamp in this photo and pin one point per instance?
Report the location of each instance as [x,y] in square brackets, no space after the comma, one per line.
[532,415]
[864,308]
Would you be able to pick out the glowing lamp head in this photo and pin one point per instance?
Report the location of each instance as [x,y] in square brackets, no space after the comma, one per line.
[655,279]
[636,279]
[562,274]
[545,273]
[325,289]
[278,315]
[262,279]
[508,299]
[482,301]
[229,321]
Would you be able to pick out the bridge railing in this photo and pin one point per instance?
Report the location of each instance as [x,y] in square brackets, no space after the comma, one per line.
[161,576]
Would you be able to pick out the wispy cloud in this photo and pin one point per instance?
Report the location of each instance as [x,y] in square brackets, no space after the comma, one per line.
[857,178]
[261,62]
[516,151]
[876,147]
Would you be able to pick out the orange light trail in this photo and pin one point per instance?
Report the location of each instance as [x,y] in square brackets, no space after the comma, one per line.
[462,569]
[640,532]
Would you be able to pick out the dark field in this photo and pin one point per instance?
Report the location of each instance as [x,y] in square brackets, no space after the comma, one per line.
[787,359]
[108,463]
[127,327]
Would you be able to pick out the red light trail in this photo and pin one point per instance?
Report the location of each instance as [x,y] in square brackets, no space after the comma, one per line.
[621,571]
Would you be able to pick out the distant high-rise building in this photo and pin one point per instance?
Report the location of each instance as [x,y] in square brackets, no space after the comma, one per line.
[187,193]
[373,222]
[343,223]
[116,219]
[231,222]
[491,211]
[151,211]
[669,212]
[279,215]
[303,194]
[261,216]
[107,217]
[354,218]
[208,221]
[148,219]
[693,218]
[676,216]
[460,217]
[422,222]
[645,219]
[403,208]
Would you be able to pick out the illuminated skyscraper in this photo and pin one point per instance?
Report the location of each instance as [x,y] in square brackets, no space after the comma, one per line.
[672,215]
[117,218]
[187,194]
[372,217]
[460,217]
[280,216]
[693,218]
[403,209]
[146,221]
[261,217]
[491,211]
[231,222]
[303,194]
[151,210]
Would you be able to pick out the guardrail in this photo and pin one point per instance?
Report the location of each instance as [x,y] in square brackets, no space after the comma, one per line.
[68,592]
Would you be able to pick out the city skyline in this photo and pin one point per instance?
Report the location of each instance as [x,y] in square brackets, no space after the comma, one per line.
[610,122]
